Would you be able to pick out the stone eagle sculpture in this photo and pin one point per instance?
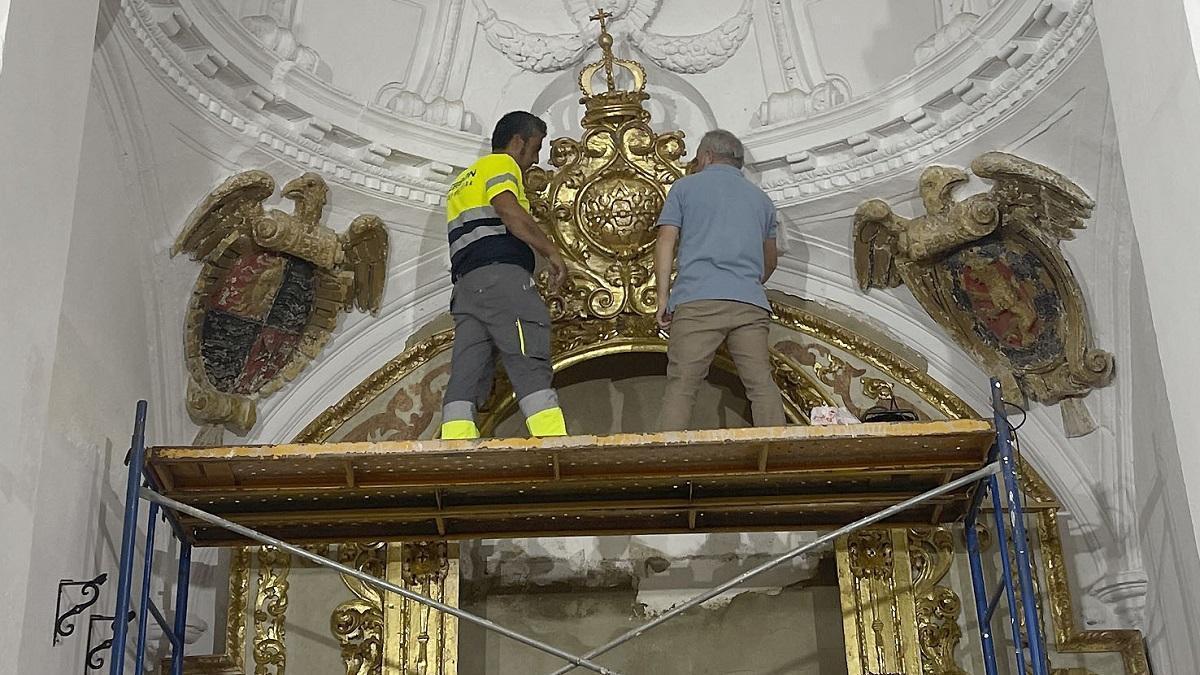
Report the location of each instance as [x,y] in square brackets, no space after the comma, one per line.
[989,270]
[270,292]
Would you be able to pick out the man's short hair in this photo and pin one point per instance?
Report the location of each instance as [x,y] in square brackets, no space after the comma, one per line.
[516,123]
[724,146]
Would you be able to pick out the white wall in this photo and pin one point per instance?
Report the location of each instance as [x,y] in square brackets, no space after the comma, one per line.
[1152,70]
[3,27]
[100,368]
[42,96]
[86,336]
[1173,600]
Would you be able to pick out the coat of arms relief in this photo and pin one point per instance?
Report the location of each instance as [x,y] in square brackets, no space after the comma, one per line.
[989,270]
[270,292]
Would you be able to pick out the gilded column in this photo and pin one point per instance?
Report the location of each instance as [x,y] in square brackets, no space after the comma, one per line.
[878,611]
[418,639]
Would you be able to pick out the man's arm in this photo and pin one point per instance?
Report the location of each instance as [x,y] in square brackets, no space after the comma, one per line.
[770,258]
[523,226]
[664,259]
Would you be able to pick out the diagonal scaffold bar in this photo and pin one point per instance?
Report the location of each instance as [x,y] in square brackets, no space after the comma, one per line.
[987,472]
[167,502]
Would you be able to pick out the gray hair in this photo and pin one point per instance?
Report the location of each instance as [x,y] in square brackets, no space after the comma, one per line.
[724,147]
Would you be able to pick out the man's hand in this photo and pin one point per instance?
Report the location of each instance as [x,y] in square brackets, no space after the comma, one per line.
[663,316]
[558,270]
[664,256]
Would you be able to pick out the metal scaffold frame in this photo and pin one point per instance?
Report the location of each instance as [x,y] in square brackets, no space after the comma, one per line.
[997,478]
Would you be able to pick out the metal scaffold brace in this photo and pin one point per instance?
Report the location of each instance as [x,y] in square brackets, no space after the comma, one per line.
[1001,469]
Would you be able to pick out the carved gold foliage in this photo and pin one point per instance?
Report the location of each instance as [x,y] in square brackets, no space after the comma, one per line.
[424,563]
[380,381]
[358,623]
[800,393]
[270,610]
[390,635]
[601,203]
[877,390]
[871,554]
[358,627]
[931,552]
[421,640]
[900,371]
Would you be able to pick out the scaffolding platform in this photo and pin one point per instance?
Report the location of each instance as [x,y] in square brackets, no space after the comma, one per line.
[839,479]
[796,477]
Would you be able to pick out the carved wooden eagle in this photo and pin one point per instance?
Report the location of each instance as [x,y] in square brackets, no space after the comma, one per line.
[235,209]
[989,270]
[270,292]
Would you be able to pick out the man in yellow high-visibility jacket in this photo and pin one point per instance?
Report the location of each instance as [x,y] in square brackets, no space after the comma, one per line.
[496,303]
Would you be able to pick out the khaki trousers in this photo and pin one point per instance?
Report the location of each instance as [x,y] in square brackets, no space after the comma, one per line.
[697,330]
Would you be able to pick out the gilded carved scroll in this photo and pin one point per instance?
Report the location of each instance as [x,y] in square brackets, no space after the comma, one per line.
[385,634]
[897,617]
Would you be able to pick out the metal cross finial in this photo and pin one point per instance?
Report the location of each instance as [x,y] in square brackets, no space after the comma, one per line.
[601,15]
[606,43]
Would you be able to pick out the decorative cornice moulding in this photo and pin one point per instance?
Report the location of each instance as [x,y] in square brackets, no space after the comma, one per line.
[403,145]
[314,134]
[1014,53]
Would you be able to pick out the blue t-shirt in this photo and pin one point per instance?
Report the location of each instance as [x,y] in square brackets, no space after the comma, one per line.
[723,220]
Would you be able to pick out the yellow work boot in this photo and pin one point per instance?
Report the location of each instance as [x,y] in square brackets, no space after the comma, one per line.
[459,430]
[548,422]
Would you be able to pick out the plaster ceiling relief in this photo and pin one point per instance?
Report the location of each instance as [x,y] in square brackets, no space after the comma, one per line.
[1009,55]
[629,23]
[392,97]
[257,77]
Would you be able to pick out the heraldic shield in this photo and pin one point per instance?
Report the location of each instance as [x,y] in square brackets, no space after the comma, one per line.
[989,270]
[270,292]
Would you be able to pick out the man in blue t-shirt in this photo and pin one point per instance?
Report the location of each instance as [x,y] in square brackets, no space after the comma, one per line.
[724,226]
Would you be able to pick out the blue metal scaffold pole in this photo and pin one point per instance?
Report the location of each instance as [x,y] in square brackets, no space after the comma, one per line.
[146,606]
[1028,642]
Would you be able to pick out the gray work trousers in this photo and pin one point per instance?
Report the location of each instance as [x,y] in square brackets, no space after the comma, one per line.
[498,307]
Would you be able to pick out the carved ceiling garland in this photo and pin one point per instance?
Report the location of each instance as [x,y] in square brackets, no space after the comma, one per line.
[269,293]
[541,53]
[802,88]
[281,41]
[990,271]
[955,20]
[167,37]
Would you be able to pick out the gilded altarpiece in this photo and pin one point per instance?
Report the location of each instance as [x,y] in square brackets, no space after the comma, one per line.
[901,599]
